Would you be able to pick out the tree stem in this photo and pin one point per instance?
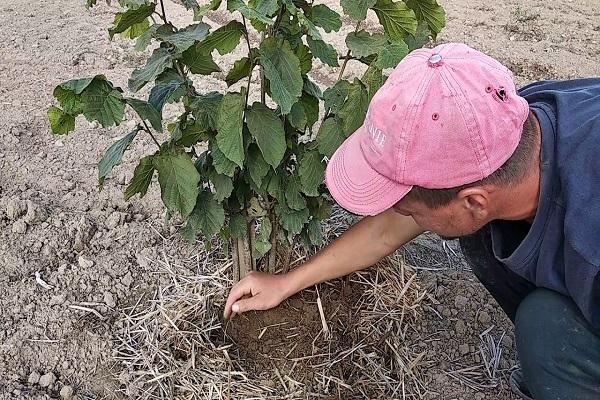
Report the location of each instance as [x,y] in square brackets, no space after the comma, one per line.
[164,14]
[246,36]
[147,129]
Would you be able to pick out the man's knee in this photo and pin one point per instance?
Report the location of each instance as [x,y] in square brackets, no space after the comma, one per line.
[559,354]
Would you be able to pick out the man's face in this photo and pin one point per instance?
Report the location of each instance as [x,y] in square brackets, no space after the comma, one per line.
[450,221]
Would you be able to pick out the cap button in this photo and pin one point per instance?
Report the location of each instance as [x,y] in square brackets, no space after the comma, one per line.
[435,60]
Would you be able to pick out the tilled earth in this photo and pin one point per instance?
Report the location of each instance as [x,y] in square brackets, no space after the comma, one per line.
[89,250]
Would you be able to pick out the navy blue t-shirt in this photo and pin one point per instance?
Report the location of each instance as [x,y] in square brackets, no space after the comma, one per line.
[561,249]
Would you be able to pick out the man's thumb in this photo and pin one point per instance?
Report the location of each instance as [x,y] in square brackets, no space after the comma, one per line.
[244,305]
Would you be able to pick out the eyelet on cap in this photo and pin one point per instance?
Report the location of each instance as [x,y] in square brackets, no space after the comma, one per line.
[435,116]
[435,60]
[488,89]
[394,107]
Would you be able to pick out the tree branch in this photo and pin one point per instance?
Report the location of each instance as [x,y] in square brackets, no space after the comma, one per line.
[147,129]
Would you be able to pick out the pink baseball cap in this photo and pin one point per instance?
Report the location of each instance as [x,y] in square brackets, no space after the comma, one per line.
[445,117]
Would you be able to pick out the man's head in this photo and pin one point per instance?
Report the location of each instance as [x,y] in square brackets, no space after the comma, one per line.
[440,138]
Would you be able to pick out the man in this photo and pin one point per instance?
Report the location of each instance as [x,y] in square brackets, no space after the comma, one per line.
[450,146]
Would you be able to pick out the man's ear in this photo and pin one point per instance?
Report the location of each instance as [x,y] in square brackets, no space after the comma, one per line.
[476,200]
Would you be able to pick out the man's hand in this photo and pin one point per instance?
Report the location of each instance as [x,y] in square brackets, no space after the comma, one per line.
[257,291]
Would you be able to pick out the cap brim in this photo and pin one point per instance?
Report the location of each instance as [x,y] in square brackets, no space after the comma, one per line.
[356,186]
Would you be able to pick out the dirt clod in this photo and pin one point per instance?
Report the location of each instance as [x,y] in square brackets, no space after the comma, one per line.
[66,393]
[47,380]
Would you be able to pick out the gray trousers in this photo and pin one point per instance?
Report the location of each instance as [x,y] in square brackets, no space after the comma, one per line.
[558,349]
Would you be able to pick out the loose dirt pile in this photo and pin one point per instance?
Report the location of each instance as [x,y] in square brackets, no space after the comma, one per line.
[72,258]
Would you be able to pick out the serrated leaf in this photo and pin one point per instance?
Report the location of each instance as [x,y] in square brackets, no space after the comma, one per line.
[147,112]
[257,166]
[114,155]
[262,244]
[131,17]
[205,109]
[391,55]
[135,30]
[145,37]
[199,60]
[61,123]
[273,184]
[237,226]
[291,220]
[373,79]
[162,92]
[336,95]
[78,85]
[207,217]
[282,69]
[323,51]
[430,12]
[230,120]
[159,61]
[312,88]
[326,18]
[311,171]
[293,197]
[69,101]
[102,103]
[226,38]
[305,57]
[246,11]
[363,44]
[354,109]
[264,7]
[240,70]
[420,39]
[268,131]
[397,19]
[191,134]
[357,9]
[315,233]
[223,185]
[142,176]
[185,37]
[330,136]
[305,112]
[178,179]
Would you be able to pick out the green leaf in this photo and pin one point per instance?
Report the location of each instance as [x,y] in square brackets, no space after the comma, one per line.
[268,131]
[312,88]
[144,39]
[200,11]
[240,70]
[397,19]
[357,9]
[222,164]
[230,120]
[205,109]
[326,18]
[257,166]
[178,179]
[142,176]
[363,44]
[207,217]
[61,123]
[273,184]
[420,39]
[264,7]
[323,51]
[330,137]
[311,171]
[238,226]
[190,134]
[163,92]
[226,38]
[69,101]
[246,11]
[223,185]
[199,59]
[135,30]
[77,86]
[335,96]
[354,110]
[282,69]
[90,3]
[293,197]
[114,155]
[430,12]
[262,244]
[319,208]
[291,220]
[391,55]
[315,233]
[102,103]
[255,209]
[305,58]
[131,17]
[147,112]
[305,112]
[185,37]
[373,79]
[160,60]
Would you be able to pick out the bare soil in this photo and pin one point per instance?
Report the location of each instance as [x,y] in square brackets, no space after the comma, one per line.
[91,250]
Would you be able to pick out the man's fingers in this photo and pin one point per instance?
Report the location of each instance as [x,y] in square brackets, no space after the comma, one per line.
[241,289]
[248,304]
